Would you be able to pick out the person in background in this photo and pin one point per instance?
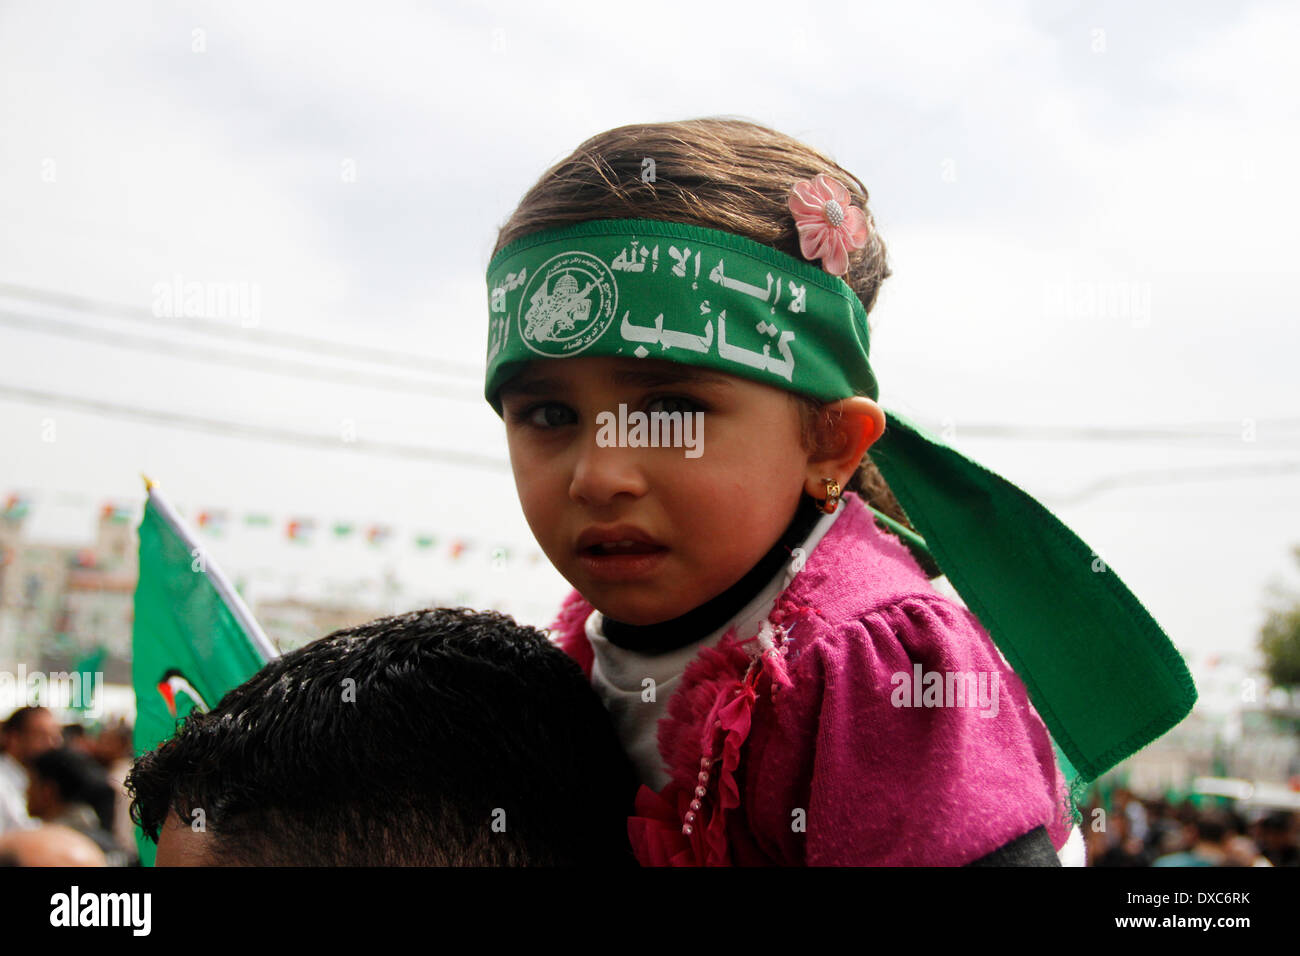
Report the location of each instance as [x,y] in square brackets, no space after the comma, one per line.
[28,732]
[1275,834]
[1125,848]
[1134,812]
[113,748]
[1207,835]
[76,738]
[1164,831]
[70,789]
[1242,851]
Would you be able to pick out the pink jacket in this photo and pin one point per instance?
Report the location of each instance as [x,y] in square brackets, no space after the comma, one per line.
[801,746]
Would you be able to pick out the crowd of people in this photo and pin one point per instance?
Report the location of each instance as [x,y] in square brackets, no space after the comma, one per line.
[62,801]
[1127,830]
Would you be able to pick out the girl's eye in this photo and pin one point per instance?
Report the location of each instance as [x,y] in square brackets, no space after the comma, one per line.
[549,415]
[675,403]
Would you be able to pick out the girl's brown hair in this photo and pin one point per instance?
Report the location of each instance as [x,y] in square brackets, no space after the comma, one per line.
[727,174]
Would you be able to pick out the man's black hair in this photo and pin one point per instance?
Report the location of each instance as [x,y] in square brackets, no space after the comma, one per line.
[438,737]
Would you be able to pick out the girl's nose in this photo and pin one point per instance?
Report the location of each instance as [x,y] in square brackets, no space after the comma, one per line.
[600,474]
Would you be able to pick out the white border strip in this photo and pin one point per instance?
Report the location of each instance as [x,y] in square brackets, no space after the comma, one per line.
[219,581]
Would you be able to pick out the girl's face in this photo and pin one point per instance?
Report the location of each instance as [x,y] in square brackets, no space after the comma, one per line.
[696,524]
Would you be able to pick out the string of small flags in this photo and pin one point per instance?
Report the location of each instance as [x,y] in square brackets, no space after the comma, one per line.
[305,530]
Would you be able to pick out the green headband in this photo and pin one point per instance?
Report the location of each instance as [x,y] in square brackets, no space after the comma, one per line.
[1099,670]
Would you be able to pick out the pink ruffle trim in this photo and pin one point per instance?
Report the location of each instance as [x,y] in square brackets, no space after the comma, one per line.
[656,832]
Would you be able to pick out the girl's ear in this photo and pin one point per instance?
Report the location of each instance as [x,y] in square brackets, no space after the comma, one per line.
[851,426]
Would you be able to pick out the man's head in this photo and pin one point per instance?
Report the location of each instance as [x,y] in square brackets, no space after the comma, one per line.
[64,776]
[1211,827]
[438,737]
[30,731]
[75,736]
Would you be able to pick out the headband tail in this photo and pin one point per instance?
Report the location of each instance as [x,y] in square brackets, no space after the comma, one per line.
[1101,673]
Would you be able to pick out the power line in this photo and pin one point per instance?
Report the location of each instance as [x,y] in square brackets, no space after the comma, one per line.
[289,367]
[425,453]
[1202,431]
[257,432]
[212,327]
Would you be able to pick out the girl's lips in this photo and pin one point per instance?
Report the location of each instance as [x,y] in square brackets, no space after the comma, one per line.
[606,538]
[626,566]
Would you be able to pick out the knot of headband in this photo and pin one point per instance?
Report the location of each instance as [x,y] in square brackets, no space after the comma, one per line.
[1100,671]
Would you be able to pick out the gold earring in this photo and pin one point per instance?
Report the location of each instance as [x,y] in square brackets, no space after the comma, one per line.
[832,499]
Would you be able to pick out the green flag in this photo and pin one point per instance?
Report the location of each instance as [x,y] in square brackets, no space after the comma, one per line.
[193,638]
[88,667]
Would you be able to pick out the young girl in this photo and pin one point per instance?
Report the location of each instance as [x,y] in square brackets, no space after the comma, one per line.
[752,603]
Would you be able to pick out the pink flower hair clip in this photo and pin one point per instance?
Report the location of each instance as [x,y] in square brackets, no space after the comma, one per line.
[828,222]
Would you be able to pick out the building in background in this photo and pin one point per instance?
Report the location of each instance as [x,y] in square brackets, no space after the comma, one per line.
[63,604]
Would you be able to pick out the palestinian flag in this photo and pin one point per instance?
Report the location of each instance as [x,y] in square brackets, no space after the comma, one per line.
[193,639]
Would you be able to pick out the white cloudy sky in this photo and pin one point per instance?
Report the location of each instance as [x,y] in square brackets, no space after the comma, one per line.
[1020,158]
